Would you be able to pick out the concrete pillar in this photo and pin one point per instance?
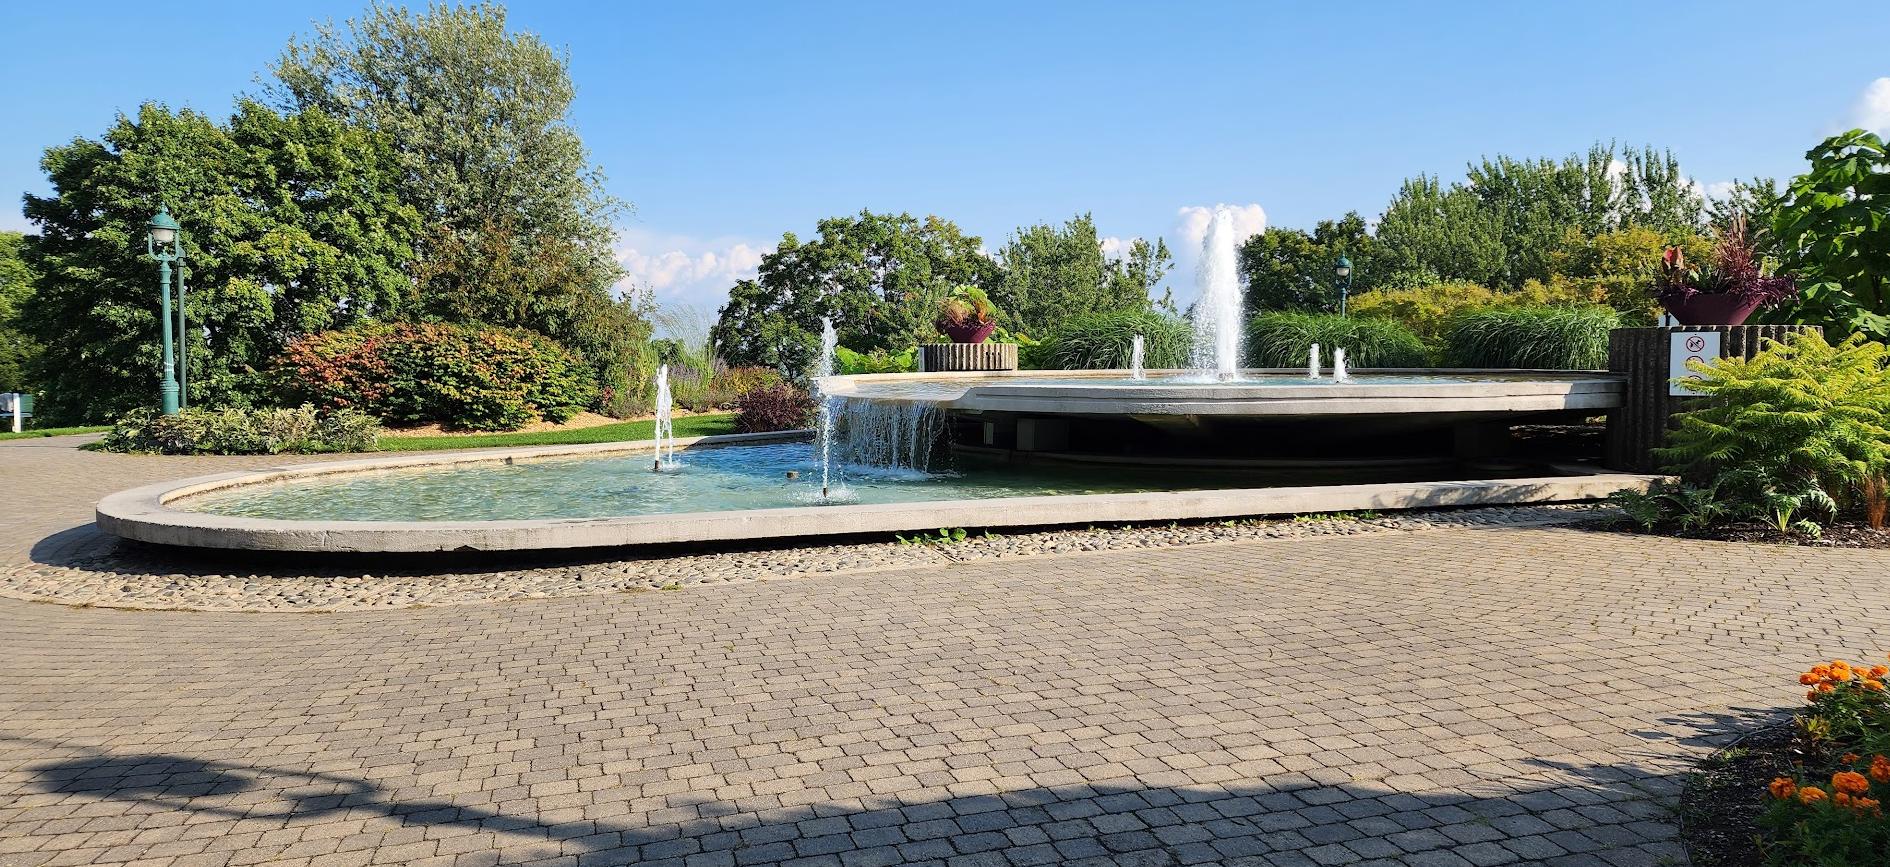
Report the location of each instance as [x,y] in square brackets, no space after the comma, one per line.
[1647,410]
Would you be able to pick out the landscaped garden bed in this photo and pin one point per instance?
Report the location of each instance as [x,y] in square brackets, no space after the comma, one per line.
[1806,792]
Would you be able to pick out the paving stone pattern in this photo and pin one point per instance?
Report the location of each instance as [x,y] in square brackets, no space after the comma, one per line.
[1451,697]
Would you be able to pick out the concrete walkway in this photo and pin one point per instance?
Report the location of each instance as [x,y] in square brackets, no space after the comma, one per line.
[1445,697]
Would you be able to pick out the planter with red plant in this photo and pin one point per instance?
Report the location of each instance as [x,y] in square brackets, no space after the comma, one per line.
[967,315]
[1734,285]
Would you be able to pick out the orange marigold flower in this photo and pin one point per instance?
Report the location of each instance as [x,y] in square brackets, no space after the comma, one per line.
[1811,695]
[1866,805]
[1841,674]
[1841,799]
[1825,687]
[1807,678]
[1880,769]
[1879,670]
[1820,671]
[1850,782]
[1782,787]
[1849,758]
[1873,684]
[1810,795]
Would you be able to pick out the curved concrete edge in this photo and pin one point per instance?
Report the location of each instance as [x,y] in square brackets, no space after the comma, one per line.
[141,514]
[1072,394]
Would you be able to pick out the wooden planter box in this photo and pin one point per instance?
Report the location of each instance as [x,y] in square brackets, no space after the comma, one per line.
[1641,424]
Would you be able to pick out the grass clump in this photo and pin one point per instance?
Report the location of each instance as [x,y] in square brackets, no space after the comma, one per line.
[1104,341]
[1560,338]
[1281,339]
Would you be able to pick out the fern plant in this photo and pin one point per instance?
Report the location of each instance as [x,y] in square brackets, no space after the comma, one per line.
[1788,434]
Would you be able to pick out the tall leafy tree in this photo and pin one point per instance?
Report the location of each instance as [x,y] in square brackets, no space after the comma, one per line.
[1834,234]
[16,283]
[1430,234]
[288,227]
[519,225]
[877,276]
[1290,269]
[1052,272]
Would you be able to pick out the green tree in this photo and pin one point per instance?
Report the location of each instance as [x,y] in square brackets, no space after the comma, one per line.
[1430,234]
[16,283]
[1051,272]
[1834,234]
[519,225]
[287,226]
[879,277]
[1289,269]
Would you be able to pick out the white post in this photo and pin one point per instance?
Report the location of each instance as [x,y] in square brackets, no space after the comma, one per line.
[19,410]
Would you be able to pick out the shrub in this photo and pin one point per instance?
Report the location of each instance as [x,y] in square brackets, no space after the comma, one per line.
[1791,435]
[1573,338]
[849,363]
[460,376]
[773,407]
[1426,310]
[1280,340]
[1103,341]
[302,430]
[1837,819]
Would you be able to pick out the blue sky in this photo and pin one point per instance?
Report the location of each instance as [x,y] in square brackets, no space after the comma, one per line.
[728,124]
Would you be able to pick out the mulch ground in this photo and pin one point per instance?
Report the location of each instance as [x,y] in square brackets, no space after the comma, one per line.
[1844,534]
[1720,808]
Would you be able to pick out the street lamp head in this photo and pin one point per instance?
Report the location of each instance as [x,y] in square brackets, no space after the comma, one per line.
[163,227]
[1343,268]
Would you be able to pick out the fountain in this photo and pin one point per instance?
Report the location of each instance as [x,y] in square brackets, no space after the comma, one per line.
[823,368]
[665,431]
[1135,358]
[1339,373]
[1312,361]
[1217,313]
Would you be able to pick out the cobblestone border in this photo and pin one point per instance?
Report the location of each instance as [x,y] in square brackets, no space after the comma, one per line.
[138,578]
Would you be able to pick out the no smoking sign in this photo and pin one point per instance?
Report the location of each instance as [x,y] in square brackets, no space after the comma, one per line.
[1701,346]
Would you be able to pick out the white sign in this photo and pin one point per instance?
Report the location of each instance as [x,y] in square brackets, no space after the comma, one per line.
[1688,346]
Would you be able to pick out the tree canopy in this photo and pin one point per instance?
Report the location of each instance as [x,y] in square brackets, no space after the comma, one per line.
[1290,269]
[16,283]
[1833,232]
[287,226]
[879,277]
[1050,273]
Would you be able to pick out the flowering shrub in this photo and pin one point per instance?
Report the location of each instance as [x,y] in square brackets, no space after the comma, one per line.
[773,407]
[1839,820]
[460,376]
[301,430]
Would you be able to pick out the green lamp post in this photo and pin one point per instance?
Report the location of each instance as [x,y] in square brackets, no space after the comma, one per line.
[1344,272]
[160,243]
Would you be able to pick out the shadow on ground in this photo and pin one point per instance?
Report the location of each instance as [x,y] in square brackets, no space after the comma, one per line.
[1564,814]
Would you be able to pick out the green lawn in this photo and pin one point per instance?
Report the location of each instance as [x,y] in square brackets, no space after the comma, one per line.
[6,433]
[687,426]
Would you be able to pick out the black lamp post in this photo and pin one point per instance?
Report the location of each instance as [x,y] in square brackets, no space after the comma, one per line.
[1344,271]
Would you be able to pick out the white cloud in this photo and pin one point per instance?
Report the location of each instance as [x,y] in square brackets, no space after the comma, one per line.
[1191,223]
[1873,107]
[1117,248]
[1717,191]
[681,269]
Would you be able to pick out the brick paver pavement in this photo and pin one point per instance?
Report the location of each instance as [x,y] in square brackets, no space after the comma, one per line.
[1436,698]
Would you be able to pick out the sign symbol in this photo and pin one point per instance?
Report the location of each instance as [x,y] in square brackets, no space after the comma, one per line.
[1696,343]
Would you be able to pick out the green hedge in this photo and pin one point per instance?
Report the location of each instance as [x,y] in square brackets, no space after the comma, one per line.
[1281,339]
[458,376]
[1571,338]
[302,430]
[1103,341]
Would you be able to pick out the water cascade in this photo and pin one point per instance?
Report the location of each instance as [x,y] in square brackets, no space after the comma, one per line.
[894,434]
[1312,362]
[1135,358]
[1216,350]
[823,368]
[665,433]
[1338,366]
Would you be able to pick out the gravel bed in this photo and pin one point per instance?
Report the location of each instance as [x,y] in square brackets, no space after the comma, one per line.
[139,578]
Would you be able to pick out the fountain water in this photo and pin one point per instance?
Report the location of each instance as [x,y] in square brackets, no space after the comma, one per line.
[1135,358]
[665,433]
[1312,362]
[1216,350]
[823,368]
[1339,373]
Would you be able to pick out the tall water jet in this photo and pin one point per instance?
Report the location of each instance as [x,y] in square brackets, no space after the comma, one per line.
[1135,358]
[1312,361]
[823,368]
[1216,349]
[665,433]
[1339,373]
